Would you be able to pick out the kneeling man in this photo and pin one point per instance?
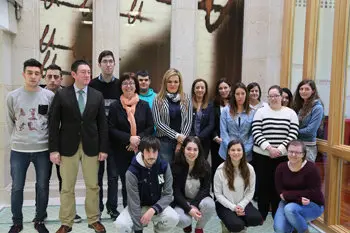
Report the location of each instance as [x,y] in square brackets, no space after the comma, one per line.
[149,188]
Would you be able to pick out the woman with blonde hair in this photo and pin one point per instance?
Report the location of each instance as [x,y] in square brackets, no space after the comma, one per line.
[172,114]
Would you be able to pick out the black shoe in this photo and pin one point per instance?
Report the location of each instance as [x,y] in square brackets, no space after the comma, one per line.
[40,227]
[77,219]
[114,214]
[15,228]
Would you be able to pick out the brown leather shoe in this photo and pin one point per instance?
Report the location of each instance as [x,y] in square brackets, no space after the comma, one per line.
[64,229]
[98,227]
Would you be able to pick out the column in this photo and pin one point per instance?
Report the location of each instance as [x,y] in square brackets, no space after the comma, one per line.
[262,41]
[105,31]
[183,40]
[18,42]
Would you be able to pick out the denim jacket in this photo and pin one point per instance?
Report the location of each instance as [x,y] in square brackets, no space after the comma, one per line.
[239,127]
[309,125]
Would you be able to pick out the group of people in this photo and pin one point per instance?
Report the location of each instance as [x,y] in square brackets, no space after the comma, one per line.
[158,144]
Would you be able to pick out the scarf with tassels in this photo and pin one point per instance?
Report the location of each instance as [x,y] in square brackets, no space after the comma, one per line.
[130,106]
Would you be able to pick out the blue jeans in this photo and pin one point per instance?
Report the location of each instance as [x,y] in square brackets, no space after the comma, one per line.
[112,183]
[167,149]
[19,165]
[291,216]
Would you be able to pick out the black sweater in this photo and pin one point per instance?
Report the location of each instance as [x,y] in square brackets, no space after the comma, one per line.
[110,91]
[180,173]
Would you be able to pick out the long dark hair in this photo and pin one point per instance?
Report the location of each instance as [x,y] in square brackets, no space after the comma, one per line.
[300,107]
[290,96]
[205,97]
[218,101]
[233,102]
[201,166]
[229,169]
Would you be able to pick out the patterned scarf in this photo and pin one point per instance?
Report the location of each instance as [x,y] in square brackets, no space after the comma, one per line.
[174,97]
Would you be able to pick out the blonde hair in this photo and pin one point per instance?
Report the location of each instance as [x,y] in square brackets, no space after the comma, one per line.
[168,74]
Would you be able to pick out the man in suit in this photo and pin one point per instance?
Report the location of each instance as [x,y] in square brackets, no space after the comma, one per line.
[78,132]
[53,79]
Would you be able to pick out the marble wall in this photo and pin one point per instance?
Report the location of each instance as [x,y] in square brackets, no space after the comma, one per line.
[261,57]
[262,41]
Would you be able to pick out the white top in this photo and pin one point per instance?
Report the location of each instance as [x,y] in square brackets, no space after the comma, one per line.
[240,196]
[192,187]
[259,105]
[274,127]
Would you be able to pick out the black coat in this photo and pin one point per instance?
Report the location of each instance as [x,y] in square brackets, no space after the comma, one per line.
[67,127]
[180,173]
[119,126]
[207,123]
[217,114]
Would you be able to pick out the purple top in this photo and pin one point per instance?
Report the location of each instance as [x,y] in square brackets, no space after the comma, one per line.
[304,183]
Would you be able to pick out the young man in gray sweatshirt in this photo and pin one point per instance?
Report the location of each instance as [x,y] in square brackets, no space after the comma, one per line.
[149,190]
[27,121]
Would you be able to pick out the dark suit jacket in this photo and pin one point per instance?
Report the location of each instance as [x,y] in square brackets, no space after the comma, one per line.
[207,124]
[67,127]
[119,126]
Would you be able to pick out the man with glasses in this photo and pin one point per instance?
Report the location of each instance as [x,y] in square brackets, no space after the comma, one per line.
[108,85]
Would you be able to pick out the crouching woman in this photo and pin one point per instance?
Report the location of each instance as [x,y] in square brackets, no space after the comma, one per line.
[298,182]
[191,173]
[234,186]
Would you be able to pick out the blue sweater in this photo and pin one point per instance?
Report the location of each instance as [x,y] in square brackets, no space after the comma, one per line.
[309,125]
[148,97]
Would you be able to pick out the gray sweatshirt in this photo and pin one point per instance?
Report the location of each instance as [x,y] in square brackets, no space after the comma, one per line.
[142,188]
[27,119]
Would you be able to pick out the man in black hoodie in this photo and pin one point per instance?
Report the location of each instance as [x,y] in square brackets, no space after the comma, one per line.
[149,188]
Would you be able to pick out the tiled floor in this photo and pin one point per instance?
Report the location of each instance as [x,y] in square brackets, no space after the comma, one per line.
[53,224]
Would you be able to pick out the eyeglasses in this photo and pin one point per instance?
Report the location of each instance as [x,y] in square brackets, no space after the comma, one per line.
[55,76]
[298,153]
[111,61]
[128,84]
[273,96]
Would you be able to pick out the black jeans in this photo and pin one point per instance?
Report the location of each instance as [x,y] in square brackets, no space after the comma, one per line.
[265,176]
[112,183]
[236,223]
[216,160]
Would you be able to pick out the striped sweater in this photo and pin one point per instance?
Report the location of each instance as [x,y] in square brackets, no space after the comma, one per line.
[161,117]
[274,127]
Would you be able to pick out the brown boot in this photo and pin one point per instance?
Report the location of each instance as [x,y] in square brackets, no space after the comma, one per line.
[98,227]
[64,229]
